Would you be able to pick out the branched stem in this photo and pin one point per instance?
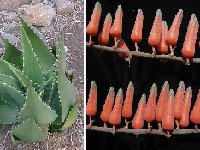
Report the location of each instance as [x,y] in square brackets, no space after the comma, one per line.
[177,124]
[104,125]
[136,47]
[126,123]
[159,126]
[153,52]
[171,50]
[143,54]
[91,121]
[144,131]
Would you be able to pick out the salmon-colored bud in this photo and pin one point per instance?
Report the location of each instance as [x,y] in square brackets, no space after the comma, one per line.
[103,37]
[173,33]
[155,34]
[138,120]
[162,46]
[128,103]
[108,106]
[150,110]
[168,117]
[116,29]
[194,117]
[92,28]
[122,45]
[160,108]
[91,108]
[136,35]
[115,116]
[179,100]
[184,122]
[188,49]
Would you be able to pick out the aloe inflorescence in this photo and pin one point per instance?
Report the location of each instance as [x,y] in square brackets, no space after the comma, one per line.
[36,91]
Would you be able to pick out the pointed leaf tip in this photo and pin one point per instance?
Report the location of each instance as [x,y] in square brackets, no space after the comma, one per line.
[28,131]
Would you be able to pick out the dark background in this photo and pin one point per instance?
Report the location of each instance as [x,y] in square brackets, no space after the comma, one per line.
[107,69]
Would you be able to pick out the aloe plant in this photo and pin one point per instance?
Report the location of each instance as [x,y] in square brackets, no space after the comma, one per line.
[36,91]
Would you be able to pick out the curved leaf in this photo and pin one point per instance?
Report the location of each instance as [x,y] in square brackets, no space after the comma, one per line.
[71,118]
[24,80]
[45,57]
[4,68]
[8,114]
[61,54]
[28,131]
[55,103]
[10,81]
[31,67]
[12,54]
[11,96]
[66,91]
[36,108]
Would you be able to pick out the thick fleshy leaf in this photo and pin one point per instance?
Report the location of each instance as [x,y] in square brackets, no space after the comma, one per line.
[45,57]
[31,67]
[10,81]
[46,90]
[8,114]
[55,103]
[28,131]
[4,68]
[71,118]
[12,54]
[66,91]
[23,79]
[11,96]
[36,108]
[61,54]
[51,72]
[45,84]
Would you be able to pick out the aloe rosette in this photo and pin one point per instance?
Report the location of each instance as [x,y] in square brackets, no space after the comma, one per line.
[36,93]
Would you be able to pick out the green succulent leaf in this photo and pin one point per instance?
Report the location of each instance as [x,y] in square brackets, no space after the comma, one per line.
[11,96]
[4,68]
[35,87]
[12,54]
[8,114]
[66,91]
[36,108]
[71,118]
[61,54]
[51,72]
[45,84]
[28,131]
[46,89]
[55,103]
[31,67]
[45,57]
[10,81]
[24,80]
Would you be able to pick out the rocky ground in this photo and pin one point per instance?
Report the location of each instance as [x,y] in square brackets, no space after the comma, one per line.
[56,18]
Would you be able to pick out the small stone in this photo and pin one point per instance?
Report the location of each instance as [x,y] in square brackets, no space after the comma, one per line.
[52,3]
[11,38]
[10,5]
[12,27]
[36,1]
[11,16]
[40,14]
[64,7]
